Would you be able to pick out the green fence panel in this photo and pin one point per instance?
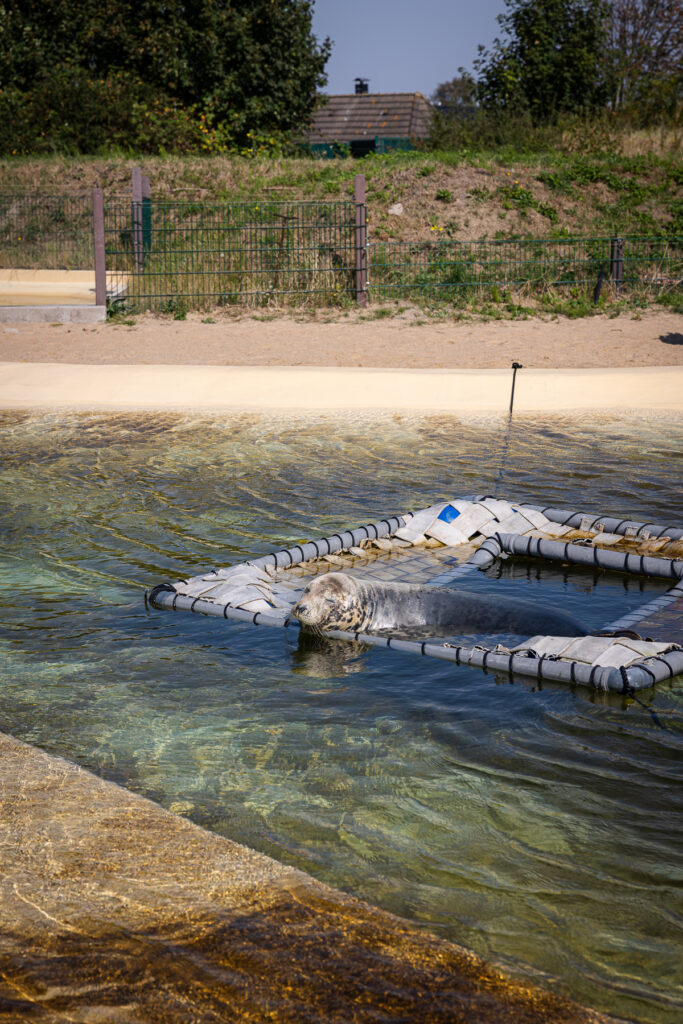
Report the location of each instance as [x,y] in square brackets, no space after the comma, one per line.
[453,270]
[199,255]
[40,232]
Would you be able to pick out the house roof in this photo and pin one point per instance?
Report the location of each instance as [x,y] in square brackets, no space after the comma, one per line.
[404,115]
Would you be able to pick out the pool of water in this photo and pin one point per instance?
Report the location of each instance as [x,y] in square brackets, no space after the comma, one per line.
[541,826]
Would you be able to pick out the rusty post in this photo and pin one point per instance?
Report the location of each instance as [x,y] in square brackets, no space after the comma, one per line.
[361,272]
[138,255]
[98,242]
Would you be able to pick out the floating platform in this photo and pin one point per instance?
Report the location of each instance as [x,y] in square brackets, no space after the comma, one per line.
[443,544]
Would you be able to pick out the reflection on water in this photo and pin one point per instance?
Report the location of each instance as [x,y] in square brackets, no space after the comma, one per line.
[538,825]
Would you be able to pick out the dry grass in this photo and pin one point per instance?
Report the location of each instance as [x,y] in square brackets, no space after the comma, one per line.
[464,195]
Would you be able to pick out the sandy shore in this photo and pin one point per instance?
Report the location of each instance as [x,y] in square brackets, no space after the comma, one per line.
[355,362]
[298,389]
[409,341]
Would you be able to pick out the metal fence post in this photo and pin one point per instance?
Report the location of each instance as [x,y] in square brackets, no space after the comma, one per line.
[98,242]
[138,252]
[146,215]
[361,273]
[616,262]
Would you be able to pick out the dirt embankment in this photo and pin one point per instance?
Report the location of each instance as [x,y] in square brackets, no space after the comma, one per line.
[404,341]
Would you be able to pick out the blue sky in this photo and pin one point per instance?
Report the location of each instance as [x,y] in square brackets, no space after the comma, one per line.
[402,45]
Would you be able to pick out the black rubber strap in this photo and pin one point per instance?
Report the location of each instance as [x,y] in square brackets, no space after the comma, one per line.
[658,657]
[649,672]
[625,687]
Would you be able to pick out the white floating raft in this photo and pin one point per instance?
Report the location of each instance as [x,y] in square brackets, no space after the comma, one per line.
[440,544]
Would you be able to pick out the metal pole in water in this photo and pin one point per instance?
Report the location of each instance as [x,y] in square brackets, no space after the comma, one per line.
[515,367]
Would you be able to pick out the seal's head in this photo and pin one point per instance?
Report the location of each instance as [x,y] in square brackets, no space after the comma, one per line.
[332,601]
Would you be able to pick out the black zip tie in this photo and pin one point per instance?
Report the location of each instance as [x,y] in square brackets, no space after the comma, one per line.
[255,619]
[175,598]
[315,545]
[422,647]
[193,604]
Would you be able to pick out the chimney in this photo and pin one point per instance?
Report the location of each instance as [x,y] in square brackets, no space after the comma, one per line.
[361,86]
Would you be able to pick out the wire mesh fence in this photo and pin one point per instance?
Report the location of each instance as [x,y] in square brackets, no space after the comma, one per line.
[169,257]
[462,271]
[40,232]
[176,256]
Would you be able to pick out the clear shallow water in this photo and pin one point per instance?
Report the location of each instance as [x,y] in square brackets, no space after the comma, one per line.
[541,827]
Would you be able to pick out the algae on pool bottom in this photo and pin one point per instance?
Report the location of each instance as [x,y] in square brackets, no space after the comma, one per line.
[537,826]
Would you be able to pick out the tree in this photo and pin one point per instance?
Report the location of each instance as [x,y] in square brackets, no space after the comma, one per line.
[248,65]
[458,96]
[553,60]
[646,54]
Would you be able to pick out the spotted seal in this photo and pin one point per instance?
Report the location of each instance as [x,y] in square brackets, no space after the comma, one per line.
[337,601]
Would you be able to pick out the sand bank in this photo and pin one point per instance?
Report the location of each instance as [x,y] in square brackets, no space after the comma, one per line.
[226,388]
[412,340]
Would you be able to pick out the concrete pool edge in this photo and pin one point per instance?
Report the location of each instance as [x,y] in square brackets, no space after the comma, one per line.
[306,388]
[110,901]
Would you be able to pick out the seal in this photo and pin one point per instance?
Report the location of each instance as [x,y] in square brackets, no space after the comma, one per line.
[336,601]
